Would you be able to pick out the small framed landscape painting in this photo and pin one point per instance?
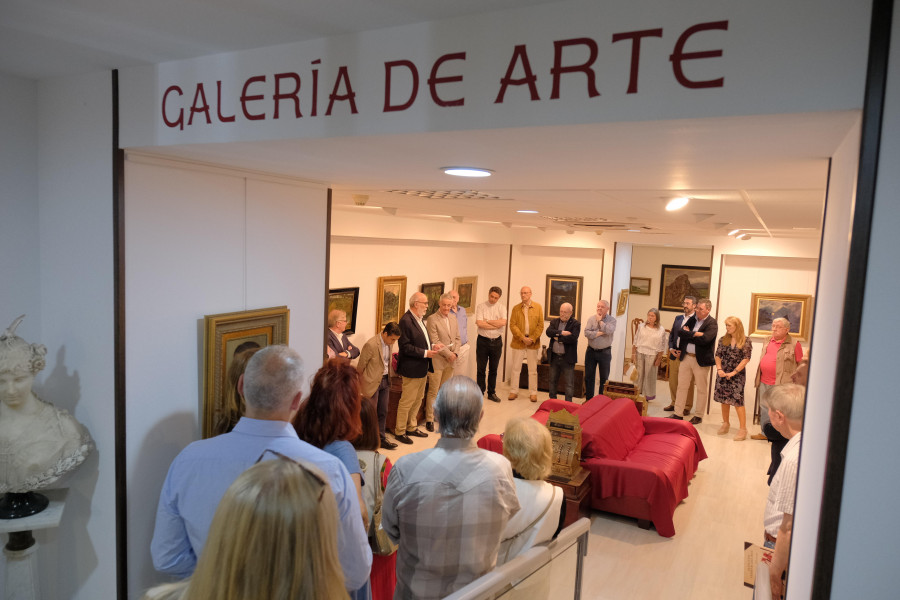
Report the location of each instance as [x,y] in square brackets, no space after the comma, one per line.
[640,286]
[391,300]
[796,308]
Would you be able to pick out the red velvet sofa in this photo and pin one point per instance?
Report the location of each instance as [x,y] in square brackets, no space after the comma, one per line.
[640,466]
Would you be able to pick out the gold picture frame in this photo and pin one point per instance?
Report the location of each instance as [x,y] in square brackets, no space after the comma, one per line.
[224,333]
[623,303]
[796,308]
[467,288]
[391,300]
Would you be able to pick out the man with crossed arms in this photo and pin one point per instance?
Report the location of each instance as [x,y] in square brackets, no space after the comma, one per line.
[443,328]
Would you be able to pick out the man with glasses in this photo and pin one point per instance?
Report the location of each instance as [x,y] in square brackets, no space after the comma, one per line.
[675,357]
[697,344]
[338,344]
[201,473]
[413,365]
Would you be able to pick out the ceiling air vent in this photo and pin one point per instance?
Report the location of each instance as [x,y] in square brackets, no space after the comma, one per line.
[446,194]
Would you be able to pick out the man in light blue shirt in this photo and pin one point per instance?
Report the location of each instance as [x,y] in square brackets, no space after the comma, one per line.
[461,366]
[200,474]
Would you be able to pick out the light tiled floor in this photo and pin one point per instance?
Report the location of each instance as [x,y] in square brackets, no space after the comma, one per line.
[704,558]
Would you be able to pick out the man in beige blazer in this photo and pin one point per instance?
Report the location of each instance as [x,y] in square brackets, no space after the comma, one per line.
[444,328]
[374,368]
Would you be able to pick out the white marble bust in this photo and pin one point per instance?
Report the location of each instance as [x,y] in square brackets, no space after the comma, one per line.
[39,443]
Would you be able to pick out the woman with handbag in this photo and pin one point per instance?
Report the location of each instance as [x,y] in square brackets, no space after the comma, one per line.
[375,469]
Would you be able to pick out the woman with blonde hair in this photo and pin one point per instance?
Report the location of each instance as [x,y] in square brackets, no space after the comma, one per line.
[650,342]
[527,445]
[732,357]
[274,536]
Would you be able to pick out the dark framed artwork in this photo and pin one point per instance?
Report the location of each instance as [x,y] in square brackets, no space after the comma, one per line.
[466,287]
[433,292]
[391,300]
[640,286]
[224,335]
[765,308]
[678,281]
[347,300]
[562,289]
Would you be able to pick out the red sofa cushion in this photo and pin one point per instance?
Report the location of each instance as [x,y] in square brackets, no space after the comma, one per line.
[609,428]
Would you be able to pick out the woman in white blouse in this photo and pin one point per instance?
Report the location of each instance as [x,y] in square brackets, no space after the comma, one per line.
[650,343]
[527,445]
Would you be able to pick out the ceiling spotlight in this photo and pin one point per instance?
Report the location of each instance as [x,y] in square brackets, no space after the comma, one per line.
[733,231]
[677,203]
[467,171]
[527,212]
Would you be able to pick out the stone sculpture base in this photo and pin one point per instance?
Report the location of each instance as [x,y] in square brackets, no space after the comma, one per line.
[17,506]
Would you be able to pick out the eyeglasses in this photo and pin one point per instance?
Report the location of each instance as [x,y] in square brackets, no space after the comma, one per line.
[313,474]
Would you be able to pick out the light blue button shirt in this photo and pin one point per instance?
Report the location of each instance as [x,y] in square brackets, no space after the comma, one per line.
[202,472]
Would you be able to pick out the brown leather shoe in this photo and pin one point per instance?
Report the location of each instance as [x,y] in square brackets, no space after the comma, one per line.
[534,397]
[687,411]
[758,436]
[512,396]
[669,408]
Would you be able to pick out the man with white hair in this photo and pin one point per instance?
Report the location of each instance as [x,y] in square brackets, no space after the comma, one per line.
[272,389]
[447,507]
[779,360]
[785,407]
[413,365]
[338,342]
[599,331]
[563,333]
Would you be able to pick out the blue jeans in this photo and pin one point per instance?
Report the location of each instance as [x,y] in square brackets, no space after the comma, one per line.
[558,364]
[594,359]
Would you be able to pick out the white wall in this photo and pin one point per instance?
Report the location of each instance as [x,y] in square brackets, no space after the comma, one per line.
[65,177]
[869,530]
[203,241]
[19,257]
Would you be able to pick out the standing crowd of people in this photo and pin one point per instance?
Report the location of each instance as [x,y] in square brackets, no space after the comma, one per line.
[291,496]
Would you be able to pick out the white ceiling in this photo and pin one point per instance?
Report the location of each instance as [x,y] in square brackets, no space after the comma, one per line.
[766,174]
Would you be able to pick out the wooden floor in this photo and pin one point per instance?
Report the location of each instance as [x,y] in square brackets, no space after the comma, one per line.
[704,558]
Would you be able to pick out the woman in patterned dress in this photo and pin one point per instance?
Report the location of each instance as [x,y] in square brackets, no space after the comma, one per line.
[732,357]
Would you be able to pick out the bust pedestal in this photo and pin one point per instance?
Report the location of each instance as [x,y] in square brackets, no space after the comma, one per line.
[21,549]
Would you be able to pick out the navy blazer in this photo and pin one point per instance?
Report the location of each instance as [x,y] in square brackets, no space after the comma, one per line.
[411,361]
[343,346]
[569,341]
[705,344]
[673,332]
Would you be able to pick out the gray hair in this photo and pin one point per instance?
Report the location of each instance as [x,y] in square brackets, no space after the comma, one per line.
[273,378]
[705,302]
[787,398]
[693,299]
[655,312]
[447,296]
[334,316]
[458,407]
[783,321]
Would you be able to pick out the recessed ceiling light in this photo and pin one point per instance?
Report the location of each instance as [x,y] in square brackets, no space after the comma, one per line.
[634,231]
[527,212]
[467,171]
[676,203]
[733,231]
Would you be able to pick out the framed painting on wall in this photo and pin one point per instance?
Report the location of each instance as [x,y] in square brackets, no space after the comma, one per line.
[562,289]
[623,303]
[678,281]
[640,286]
[433,292]
[466,287]
[347,300]
[765,308]
[227,334]
[391,300]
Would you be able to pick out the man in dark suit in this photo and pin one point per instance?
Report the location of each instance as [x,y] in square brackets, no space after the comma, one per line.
[697,344]
[688,305]
[338,344]
[413,365]
[563,333]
